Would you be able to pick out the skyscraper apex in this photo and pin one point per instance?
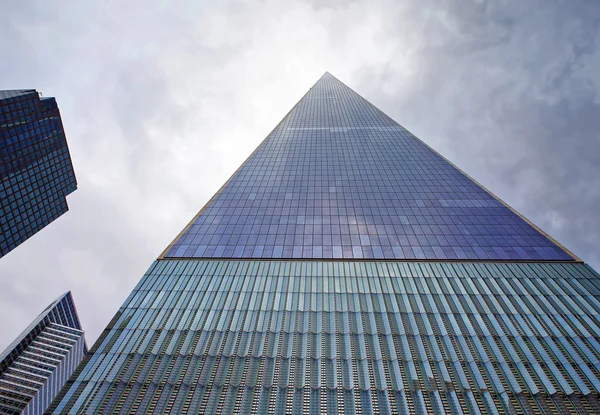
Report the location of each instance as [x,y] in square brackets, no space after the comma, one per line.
[348,182]
[346,267]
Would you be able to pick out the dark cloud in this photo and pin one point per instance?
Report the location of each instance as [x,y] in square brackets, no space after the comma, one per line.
[161,103]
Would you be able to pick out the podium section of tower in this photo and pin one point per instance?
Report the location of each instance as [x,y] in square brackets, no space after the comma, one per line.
[257,337]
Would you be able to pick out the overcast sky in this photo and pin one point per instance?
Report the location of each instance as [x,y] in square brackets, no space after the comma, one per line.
[161,102]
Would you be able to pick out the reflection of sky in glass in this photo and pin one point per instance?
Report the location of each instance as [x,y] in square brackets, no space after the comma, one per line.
[337,178]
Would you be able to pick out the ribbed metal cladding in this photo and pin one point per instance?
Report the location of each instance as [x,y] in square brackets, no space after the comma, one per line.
[37,364]
[40,371]
[308,337]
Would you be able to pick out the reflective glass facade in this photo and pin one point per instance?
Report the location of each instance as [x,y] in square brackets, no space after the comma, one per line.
[36,365]
[36,173]
[337,178]
[348,268]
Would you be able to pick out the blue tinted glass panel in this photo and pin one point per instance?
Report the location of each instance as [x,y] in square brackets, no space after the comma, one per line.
[337,178]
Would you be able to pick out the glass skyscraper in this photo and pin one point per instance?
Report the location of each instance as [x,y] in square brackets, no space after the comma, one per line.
[36,365]
[346,267]
[36,173]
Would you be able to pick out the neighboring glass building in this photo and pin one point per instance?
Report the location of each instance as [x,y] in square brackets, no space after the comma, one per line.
[36,173]
[346,267]
[36,365]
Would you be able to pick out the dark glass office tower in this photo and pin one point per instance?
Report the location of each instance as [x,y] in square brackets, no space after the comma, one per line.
[346,267]
[36,365]
[36,173]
